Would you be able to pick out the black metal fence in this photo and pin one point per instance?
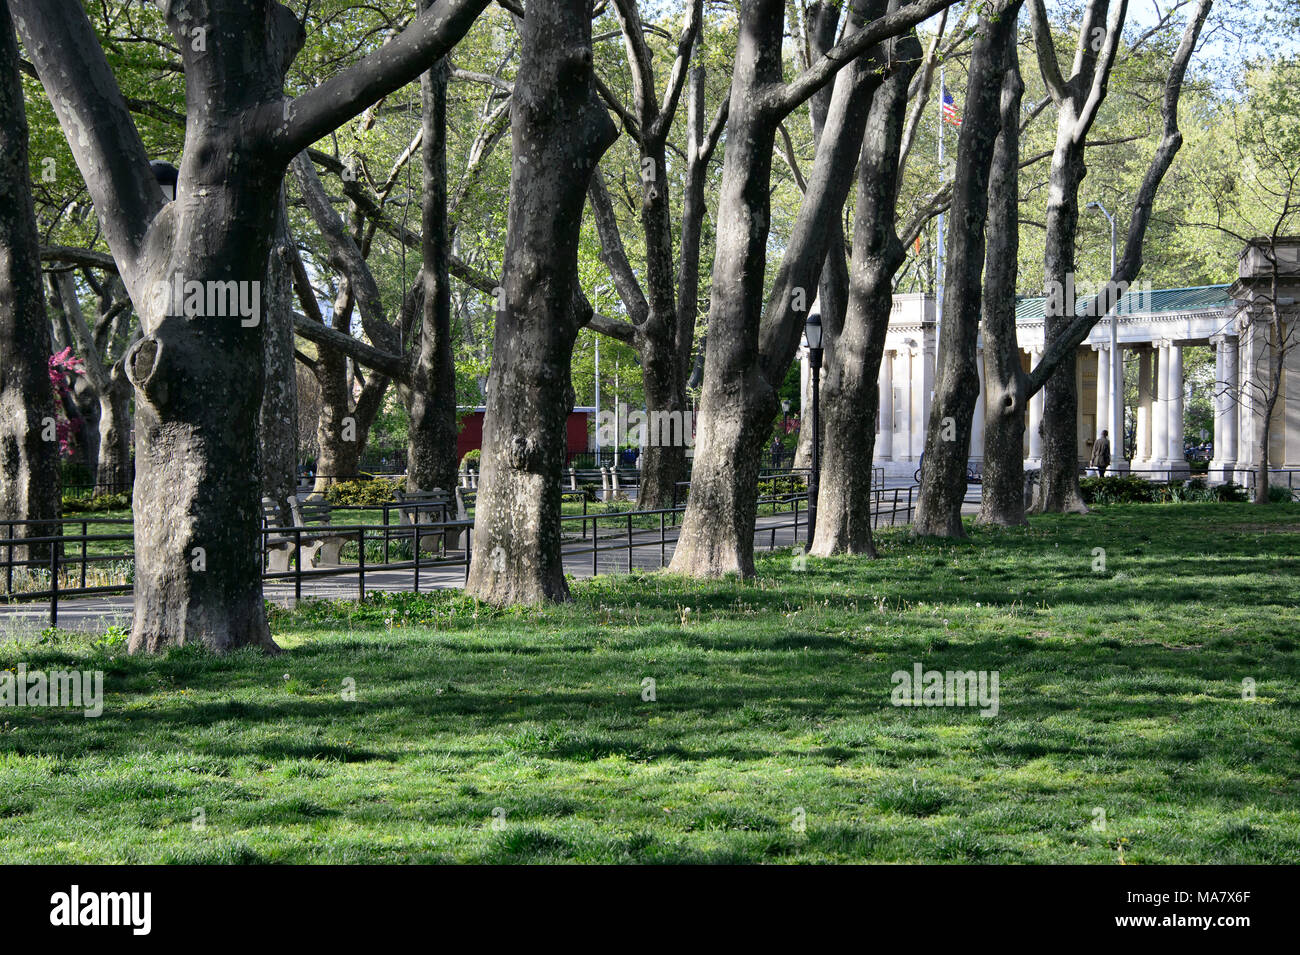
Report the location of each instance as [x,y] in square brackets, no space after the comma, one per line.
[51,568]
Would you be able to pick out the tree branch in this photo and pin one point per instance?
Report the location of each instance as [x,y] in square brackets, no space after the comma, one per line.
[787,98]
[401,60]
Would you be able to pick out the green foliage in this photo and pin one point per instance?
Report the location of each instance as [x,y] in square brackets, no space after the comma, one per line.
[96,503]
[1117,490]
[1118,689]
[363,493]
[1136,490]
[471,459]
[1280,494]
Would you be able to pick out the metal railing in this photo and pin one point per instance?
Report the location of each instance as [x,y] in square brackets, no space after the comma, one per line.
[67,557]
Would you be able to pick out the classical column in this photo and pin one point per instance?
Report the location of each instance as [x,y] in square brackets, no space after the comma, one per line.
[1118,463]
[1103,389]
[929,361]
[1177,456]
[1160,411]
[1253,378]
[885,420]
[977,421]
[908,400]
[1225,406]
[1142,453]
[1035,416]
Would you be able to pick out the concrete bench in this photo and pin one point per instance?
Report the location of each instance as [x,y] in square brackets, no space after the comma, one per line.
[319,547]
[432,507]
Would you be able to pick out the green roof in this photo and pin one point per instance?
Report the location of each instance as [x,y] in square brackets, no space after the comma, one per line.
[1195,299]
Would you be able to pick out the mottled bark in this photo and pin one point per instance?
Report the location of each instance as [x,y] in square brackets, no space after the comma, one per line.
[736,404]
[559,131]
[113,455]
[1002,500]
[1077,99]
[957,384]
[278,417]
[833,287]
[661,327]
[29,471]
[198,376]
[431,399]
[750,347]
[850,398]
[1059,489]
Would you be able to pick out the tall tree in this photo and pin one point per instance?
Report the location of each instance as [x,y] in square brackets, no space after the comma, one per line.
[559,130]
[1058,488]
[29,468]
[431,398]
[957,383]
[661,310]
[1077,100]
[850,398]
[1002,499]
[278,416]
[749,346]
[198,377]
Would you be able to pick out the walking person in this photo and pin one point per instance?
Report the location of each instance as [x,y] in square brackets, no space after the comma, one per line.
[1101,454]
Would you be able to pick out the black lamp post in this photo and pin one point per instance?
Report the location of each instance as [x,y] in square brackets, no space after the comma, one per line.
[785,427]
[813,339]
[167,176]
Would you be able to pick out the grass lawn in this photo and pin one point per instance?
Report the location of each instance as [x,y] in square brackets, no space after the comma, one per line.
[1121,690]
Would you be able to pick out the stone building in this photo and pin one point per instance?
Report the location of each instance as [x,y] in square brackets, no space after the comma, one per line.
[1155,326]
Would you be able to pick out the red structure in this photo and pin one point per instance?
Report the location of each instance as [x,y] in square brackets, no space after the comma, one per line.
[578,430]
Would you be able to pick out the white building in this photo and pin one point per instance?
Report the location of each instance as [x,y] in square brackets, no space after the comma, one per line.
[1156,325]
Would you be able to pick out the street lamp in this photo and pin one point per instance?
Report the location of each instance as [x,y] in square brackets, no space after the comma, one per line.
[812,336]
[1116,402]
[785,429]
[166,176]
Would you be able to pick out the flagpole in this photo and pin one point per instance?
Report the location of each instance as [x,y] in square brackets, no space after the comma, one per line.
[938,298]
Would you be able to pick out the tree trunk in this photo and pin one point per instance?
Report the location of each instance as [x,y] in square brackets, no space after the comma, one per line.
[29,468]
[431,446]
[749,352]
[1002,502]
[850,398]
[1077,102]
[198,370]
[1058,486]
[957,383]
[278,424]
[737,405]
[833,287]
[559,132]
[113,471]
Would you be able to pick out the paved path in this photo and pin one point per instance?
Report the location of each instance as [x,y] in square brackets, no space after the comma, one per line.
[96,614]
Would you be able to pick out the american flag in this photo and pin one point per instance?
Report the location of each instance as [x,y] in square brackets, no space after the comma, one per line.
[950,109]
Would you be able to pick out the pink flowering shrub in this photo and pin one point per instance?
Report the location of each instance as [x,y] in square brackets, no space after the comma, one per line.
[60,367]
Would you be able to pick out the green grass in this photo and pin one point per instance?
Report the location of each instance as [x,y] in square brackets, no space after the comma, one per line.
[1121,690]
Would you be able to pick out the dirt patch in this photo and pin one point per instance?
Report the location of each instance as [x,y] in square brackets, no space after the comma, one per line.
[1265,528]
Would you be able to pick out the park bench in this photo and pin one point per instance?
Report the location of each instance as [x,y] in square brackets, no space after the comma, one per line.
[436,507]
[320,548]
[974,471]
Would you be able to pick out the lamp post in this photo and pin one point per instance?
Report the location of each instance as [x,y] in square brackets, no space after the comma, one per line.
[813,339]
[1116,403]
[166,175]
[785,428]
